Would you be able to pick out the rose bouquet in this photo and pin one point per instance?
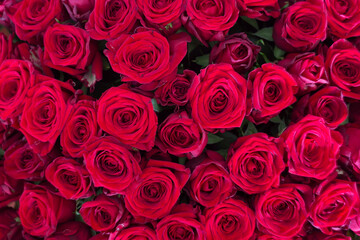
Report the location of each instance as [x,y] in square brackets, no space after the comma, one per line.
[179,119]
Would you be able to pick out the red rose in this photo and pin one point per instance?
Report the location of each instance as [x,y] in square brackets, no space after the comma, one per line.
[157,190]
[175,91]
[80,128]
[146,56]
[128,116]
[164,16]
[301,26]
[255,163]
[105,214]
[343,18]
[218,98]
[343,66]
[69,49]
[271,89]
[6,47]
[135,232]
[22,163]
[10,188]
[71,230]
[259,9]
[236,50]
[33,17]
[46,110]
[111,18]
[16,78]
[70,178]
[112,165]
[79,10]
[183,220]
[209,21]
[307,69]
[8,224]
[283,211]
[180,135]
[312,148]
[41,210]
[349,152]
[232,220]
[327,103]
[335,203]
[210,182]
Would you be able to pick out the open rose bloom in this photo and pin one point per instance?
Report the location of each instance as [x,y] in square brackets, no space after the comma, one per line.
[179,119]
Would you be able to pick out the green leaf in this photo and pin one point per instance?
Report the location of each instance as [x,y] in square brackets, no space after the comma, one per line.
[167,27]
[265,33]
[17,219]
[212,138]
[223,152]
[266,59]
[251,129]
[251,21]
[182,160]
[278,53]
[276,119]
[156,106]
[202,60]
[281,128]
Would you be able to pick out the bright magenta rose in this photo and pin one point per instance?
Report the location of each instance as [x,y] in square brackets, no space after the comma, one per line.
[271,89]
[283,211]
[111,164]
[157,190]
[232,220]
[180,135]
[47,108]
[312,148]
[209,20]
[41,210]
[128,116]
[301,26]
[218,98]
[146,56]
[255,163]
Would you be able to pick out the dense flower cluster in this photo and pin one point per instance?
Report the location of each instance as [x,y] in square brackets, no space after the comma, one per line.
[179,119]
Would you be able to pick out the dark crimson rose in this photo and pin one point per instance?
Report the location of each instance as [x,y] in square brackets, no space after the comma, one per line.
[70,178]
[33,17]
[181,136]
[259,9]
[128,116]
[319,235]
[232,220]
[8,224]
[80,128]
[135,232]
[343,17]
[283,211]
[175,91]
[218,98]
[271,89]
[236,50]
[79,10]
[100,236]
[210,182]
[209,20]
[312,148]
[327,103]
[163,15]
[16,78]
[42,210]
[354,112]
[308,70]
[146,56]
[111,164]
[6,47]
[157,190]
[255,163]
[71,231]
[301,26]
[10,188]
[69,49]
[22,163]
[111,18]
[343,66]
[349,152]
[335,203]
[105,213]
[183,221]
[46,110]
